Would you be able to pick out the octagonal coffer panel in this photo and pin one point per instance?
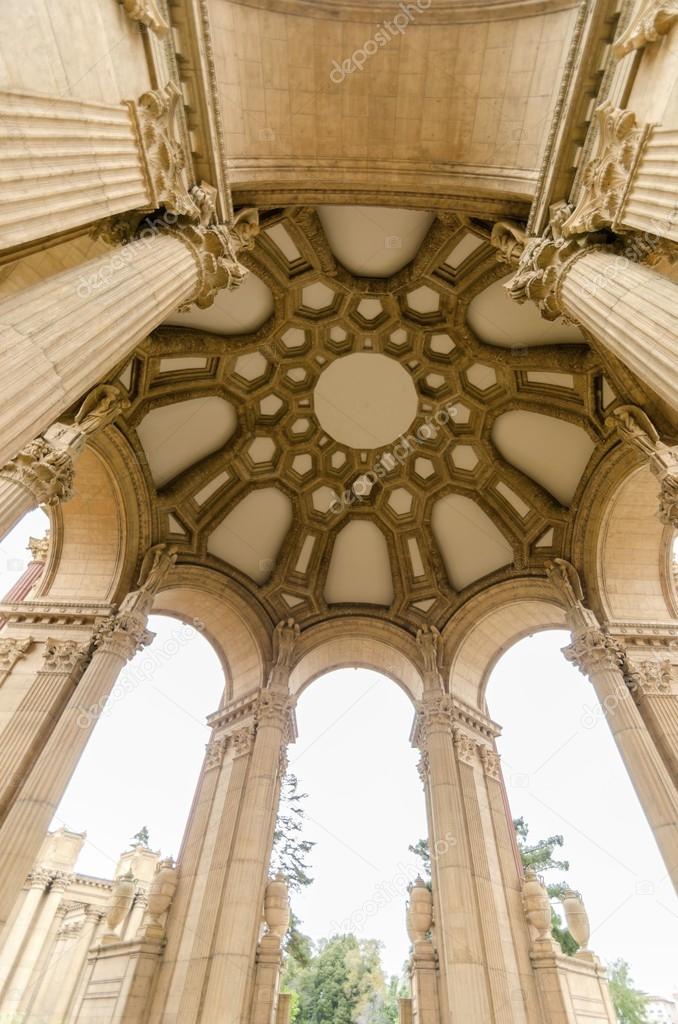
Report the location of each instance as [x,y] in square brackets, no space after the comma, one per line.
[360,568]
[251,535]
[374,241]
[552,451]
[469,542]
[177,436]
[233,312]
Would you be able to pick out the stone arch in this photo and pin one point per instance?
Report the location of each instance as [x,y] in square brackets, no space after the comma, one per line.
[487,625]
[97,535]
[238,631]
[633,569]
[357,642]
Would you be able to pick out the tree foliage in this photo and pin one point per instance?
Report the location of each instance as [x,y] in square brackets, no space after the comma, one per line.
[343,983]
[141,838]
[630,1004]
[289,855]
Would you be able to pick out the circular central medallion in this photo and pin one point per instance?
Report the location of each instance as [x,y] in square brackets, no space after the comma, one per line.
[365,400]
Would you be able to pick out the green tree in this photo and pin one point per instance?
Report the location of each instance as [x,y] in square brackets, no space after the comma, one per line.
[630,1004]
[289,855]
[541,857]
[420,849]
[344,983]
[141,838]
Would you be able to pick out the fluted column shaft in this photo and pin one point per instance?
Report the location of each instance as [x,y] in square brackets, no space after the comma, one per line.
[231,972]
[631,311]
[457,934]
[21,977]
[13,939]
[62,336]
[659,712]
[595,655]
[30,725]
[58,996]
[15,501]
[69,162]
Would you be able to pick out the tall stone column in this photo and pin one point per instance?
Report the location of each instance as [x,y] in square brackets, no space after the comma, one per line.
[599,656]
[650,681]
[37,714]
[68,162]
[457,933]
[627,308]
[215,919]
[42,472]
[20,981]
[116,641]
[12,940]
[632,181]
[64,335]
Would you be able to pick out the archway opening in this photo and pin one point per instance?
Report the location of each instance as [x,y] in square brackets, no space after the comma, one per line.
[363,810]
[564,776]
[141,764]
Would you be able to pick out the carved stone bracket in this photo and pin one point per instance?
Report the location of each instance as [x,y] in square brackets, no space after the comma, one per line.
[64,655]
[654,19]
[608,176]
[147,13]
[163,153]
[637,430]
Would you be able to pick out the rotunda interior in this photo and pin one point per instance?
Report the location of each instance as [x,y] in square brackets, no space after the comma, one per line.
[347,329]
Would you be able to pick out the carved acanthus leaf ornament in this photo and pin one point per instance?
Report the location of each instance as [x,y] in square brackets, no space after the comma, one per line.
[147,13]
[654,19]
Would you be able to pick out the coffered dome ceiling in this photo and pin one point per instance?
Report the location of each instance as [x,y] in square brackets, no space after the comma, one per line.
[368,421]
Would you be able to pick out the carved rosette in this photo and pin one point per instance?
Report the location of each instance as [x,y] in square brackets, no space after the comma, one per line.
[215,250]
[540,272]
[147,13]
[592,650]
[164,156]
[11,651]
[43,470]
[654,19]
[606,179]
[243,740]
[64,655]
[123,635]
[214,752]
[649,678]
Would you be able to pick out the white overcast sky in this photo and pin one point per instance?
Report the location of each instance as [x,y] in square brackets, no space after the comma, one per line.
[365,802]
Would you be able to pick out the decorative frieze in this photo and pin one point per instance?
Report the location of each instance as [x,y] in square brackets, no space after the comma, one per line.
[147,13]
[607,177]
[654,19]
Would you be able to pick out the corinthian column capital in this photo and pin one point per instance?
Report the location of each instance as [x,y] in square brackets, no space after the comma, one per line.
[147,13]
[607,177]
[64,655]
[637,430]
[654,19]
[592,649]
[11,651]
[123,635]
[542,266]
[163,154]
[42,469]
[215,250]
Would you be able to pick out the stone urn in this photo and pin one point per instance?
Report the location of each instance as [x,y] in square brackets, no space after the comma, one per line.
[537,905]
[419,911]
[162,888]
[577,918]
[119,905]
[277,906]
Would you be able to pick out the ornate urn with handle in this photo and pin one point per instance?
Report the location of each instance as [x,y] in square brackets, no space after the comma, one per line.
[577,918]
[160,895]
[119,904]
[537,905]
[419,912]
[276,910]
